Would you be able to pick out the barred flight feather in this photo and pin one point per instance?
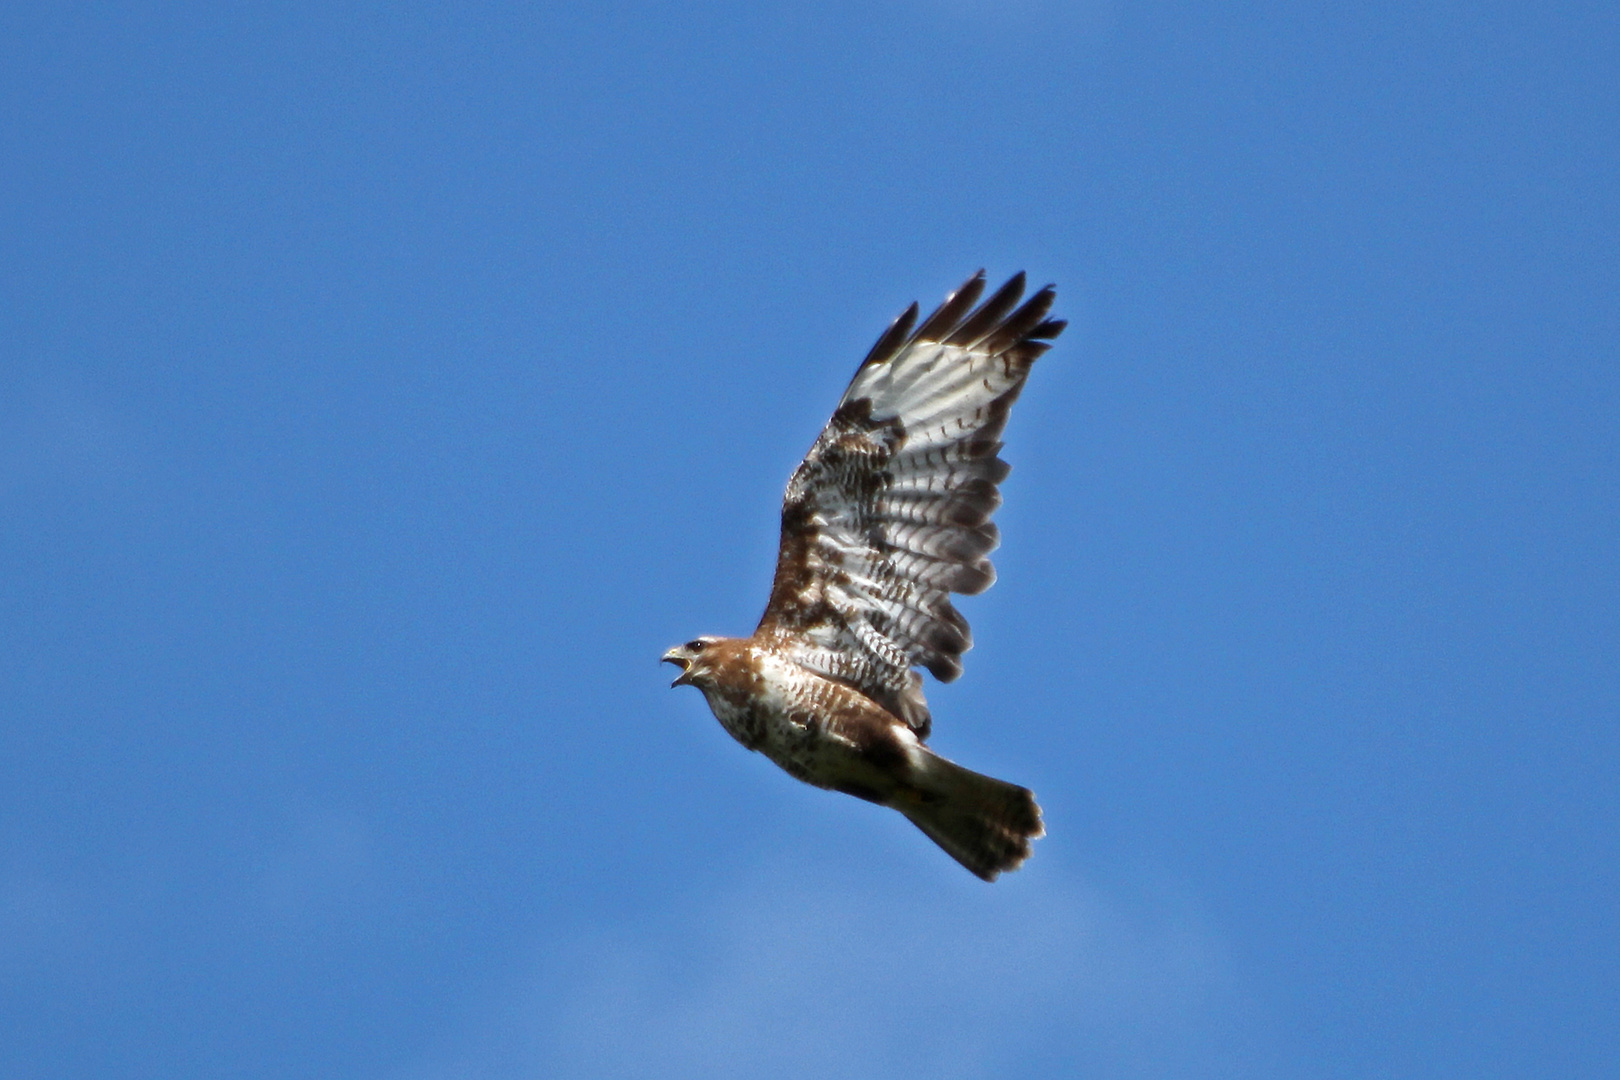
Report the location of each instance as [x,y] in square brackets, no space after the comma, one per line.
[889,513]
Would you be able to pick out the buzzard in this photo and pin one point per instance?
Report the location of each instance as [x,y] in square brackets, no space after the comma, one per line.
[888,514]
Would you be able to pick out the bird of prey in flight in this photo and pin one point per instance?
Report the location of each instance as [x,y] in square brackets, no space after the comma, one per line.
[888,514]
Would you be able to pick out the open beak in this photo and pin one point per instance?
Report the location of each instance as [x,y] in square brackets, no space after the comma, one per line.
[674,656]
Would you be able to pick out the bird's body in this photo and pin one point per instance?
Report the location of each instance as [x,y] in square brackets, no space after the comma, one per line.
[819,731]
[886,516]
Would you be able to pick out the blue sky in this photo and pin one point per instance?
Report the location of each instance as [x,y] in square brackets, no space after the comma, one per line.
[383,388]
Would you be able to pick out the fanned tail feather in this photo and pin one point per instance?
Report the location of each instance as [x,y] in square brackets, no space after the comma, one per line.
[983,823]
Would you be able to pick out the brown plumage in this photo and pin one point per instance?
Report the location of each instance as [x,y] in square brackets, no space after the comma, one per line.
[888,514]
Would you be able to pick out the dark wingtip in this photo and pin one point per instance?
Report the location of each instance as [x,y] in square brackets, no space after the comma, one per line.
[894,338]
[1016,328]
[939,325]
[988,318]
[993,325]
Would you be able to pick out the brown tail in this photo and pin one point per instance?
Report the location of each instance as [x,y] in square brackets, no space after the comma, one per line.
[983,823]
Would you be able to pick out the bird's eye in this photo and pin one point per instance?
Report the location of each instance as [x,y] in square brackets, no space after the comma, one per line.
[696,645]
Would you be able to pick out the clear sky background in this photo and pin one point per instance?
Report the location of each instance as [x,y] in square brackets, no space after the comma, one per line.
[384,387]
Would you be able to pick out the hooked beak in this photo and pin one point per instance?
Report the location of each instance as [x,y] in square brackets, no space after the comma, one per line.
[676,657]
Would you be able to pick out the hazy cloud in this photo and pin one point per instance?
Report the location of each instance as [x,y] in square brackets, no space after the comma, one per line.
[795,977]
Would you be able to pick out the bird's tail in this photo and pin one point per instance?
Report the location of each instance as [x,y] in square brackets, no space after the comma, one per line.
[983,823]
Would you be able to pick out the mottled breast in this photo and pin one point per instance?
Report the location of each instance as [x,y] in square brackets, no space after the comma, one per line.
[737,692]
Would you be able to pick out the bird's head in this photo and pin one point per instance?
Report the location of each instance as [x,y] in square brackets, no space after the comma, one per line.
[690,659]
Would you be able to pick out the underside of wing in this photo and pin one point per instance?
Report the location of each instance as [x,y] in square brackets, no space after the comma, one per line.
[889,513]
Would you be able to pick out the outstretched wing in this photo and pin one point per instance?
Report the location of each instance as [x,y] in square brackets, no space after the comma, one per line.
[889,513]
